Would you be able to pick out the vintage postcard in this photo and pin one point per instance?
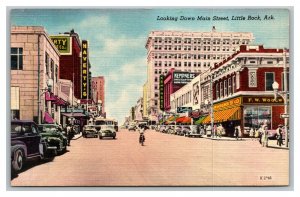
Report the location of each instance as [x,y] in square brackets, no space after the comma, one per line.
[149,97]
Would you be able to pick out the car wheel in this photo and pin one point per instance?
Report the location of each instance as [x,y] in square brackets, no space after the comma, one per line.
[114,137]
[100,137]
[18,161]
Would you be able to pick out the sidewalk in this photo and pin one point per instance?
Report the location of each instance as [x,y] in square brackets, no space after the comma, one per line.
[271,143]
[77,136]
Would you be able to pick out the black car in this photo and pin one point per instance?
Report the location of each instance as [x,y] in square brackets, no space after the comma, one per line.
[54,138]
[26,143]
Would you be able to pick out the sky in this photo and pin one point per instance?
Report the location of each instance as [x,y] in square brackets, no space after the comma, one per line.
[117,39]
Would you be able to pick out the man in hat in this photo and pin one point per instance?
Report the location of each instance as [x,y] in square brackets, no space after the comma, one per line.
[279,135]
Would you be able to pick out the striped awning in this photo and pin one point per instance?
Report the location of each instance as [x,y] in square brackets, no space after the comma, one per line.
[224,115]
[200,120]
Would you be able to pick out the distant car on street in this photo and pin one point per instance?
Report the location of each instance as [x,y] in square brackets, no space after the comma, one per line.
[89,131]
[194,131]
[26,143]
[107,131]
[132,127]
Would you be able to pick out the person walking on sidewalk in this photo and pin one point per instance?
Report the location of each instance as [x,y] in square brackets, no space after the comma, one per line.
[236,133]
[264,140]
[279,136]
[251,133]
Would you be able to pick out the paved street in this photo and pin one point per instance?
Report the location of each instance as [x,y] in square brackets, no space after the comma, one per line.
[165,160]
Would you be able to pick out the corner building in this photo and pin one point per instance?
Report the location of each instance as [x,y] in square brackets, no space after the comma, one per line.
[186,51]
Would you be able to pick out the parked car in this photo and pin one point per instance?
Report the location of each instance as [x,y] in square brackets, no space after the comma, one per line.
[54,138]
[194,131]
[185,130]
[26,143]
[178,130]
[89,131]
[162,129]
[107,131]
[171,129]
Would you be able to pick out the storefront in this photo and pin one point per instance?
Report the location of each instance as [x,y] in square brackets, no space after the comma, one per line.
[247,112]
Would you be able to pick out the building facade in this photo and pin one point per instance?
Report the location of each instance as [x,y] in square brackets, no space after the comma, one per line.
[241,89]
[188,52]
[138,110]
[35,70]
[98,93]
[69,45]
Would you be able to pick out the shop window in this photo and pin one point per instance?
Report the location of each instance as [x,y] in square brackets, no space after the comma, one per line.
[269,80]
[16,58]
[256,116]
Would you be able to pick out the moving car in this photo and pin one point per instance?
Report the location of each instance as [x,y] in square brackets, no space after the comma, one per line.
[89,131]
[107,131]
[26,143]
[132,127]
[54,138]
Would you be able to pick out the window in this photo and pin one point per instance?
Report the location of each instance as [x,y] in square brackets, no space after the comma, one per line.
[56,72]
[282,79]
[47,63]
[229,86]
[252,79]
[221,89]
[52,69]
[225,88]
[233,84]
[269,81]
[156,94]
[217,91]
[16,58]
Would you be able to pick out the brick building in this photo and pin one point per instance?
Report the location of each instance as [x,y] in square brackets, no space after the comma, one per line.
[98,93]
[34,75]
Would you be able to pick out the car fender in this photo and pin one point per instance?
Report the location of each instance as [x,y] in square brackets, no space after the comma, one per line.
[16,147]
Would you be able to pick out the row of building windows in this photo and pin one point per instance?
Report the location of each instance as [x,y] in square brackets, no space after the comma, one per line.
[185,64]
[51,69]
[189,48]
[184,99]
[189,56]
[199,41]
[226,87]
[161,71]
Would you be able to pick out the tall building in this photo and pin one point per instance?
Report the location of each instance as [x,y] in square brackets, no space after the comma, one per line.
[145,93]
[69,46]
[34,75]
[98,92]
[186,51]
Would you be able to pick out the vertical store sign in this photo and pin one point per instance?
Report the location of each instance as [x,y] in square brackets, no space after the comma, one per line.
[84,70]
[161,92]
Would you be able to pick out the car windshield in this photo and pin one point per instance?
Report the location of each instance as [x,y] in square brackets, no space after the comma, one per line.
[47,128]
[104,127]
[89,128]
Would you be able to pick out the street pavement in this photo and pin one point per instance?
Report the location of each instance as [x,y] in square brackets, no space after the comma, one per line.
[164,160]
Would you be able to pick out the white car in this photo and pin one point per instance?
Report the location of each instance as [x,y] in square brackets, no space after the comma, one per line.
[107,131]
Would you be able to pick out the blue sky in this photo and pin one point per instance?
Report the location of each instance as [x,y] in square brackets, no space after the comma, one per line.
[117,39]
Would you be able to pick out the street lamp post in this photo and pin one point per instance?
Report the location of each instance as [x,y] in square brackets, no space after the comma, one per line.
[284,95]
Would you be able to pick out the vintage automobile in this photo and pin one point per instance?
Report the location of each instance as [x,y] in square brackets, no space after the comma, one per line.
[107,131]
[26,143]
[53,136]
[194,131]
[89,131]
[132,127]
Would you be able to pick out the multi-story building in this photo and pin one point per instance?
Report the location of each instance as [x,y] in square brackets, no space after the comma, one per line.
[69,46]
[138,109]
[242,92]
[145,93]
[34,75]
[98,92]
[188,52]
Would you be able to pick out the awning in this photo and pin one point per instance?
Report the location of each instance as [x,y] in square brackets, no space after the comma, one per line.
[73,114]
[48,118]
[50,96]
[179,120]
[200,120]
[60,101]
[224,115]
[187,120]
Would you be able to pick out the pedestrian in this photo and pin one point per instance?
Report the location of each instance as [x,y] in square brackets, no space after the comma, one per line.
[70,133]
[236,133]
[279,136]
[251,133]
[265,136]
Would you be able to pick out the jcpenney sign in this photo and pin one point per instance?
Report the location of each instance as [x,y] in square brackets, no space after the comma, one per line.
[181,78]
